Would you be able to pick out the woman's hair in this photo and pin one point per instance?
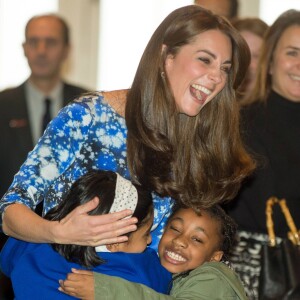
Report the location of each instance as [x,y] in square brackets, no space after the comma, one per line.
[255,25]
[227,227]
[197,160]
[101,184]
[263,84]
[259,28]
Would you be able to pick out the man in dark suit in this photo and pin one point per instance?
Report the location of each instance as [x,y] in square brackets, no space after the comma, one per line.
[46,47]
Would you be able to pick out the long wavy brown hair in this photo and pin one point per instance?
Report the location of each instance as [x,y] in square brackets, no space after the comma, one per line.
[198,160]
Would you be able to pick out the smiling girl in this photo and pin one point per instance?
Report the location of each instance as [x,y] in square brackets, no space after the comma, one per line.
[192,248]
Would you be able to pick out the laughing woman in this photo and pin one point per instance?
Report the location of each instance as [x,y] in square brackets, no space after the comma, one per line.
[175,131]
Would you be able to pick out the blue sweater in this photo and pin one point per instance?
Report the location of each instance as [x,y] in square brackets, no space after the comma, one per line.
[36,268]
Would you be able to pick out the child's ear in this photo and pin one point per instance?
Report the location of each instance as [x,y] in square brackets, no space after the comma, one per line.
[217,256]
[113,247]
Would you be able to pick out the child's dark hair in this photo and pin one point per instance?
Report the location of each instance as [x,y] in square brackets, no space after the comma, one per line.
[227,231]
[101,184]
[227,227]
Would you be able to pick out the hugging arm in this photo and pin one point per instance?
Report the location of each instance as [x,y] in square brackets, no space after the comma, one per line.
[211,281]
[118,288]
[55,153]
[89,285]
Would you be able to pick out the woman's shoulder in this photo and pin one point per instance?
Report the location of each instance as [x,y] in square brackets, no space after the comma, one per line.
[254,115]
[257,108]
[114,100]
[117,100]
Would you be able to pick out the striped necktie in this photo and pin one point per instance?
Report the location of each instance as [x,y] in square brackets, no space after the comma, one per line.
[47,114]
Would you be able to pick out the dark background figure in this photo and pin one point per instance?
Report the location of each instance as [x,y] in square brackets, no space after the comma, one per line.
[253,31]
[225,8]
[46,47]
[271,131]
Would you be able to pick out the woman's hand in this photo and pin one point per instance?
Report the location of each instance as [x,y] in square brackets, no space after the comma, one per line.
[79,284]
[82,229]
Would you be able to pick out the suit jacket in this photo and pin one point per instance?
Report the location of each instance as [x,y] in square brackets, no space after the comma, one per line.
[15,130]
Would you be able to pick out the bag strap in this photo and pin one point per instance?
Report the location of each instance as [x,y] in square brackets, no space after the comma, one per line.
[293,234]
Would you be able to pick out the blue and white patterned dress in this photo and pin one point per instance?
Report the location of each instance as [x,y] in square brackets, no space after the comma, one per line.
[86,134]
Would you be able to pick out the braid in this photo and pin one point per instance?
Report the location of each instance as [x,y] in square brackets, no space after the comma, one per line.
[228,229]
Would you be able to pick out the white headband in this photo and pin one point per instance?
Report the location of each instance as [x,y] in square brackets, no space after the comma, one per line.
[126,197]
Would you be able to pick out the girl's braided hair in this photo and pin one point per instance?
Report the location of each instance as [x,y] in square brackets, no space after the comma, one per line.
[227,226]
[228,229]
[227,232]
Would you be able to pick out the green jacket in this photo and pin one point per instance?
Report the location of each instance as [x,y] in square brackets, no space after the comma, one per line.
[211,281]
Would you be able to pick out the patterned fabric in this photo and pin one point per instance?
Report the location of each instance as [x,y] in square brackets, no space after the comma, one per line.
[126,195]
[245,260]
[87,134]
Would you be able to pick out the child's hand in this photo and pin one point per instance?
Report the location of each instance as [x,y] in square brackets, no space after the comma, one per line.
[79,283]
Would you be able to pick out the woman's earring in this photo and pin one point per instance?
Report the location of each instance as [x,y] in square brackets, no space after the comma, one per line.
[162,74]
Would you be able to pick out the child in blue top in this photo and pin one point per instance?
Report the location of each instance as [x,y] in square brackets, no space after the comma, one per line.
[36,268]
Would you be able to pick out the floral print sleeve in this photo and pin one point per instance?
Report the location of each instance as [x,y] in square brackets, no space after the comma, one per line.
[61,155]
[86,134]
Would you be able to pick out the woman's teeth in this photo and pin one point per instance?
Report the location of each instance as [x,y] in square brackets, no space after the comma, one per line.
[201,88]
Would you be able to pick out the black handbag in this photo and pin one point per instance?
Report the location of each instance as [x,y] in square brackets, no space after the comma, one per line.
[280,262]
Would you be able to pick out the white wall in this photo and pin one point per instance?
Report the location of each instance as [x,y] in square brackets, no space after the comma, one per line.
[249,8]
[108,36]
[125,28]
[277,7]
[14,15]
[83,19]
